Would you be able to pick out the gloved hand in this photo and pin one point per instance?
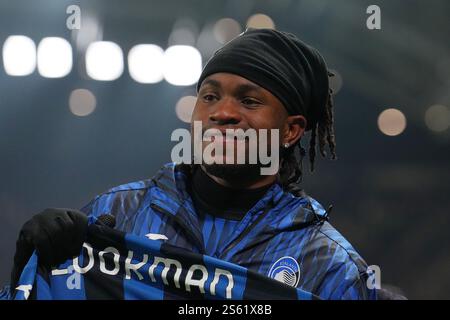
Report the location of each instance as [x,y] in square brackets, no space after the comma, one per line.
[56,234]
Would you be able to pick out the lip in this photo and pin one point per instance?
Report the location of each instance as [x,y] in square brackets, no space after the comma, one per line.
[223,134]
[224,139]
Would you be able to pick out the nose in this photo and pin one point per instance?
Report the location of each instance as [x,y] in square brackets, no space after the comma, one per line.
[226,112]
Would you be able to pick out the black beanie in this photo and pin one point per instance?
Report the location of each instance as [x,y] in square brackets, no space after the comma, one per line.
[279,62]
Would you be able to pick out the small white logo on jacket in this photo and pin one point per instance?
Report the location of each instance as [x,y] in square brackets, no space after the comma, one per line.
[286,270]
[156,236]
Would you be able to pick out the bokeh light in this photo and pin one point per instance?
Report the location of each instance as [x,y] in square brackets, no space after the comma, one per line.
[82,102]
[226,29]
[19,55]
[104,61]
[185,107]
[259,21]
[54,57]
[392,122]
[145,63]
[182,65]
[437,118]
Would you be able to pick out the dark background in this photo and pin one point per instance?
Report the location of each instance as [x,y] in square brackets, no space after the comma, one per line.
[390,194]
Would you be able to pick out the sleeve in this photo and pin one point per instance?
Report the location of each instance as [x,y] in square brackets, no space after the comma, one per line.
[358,290]
[101,204]
[346,282]
[122,205]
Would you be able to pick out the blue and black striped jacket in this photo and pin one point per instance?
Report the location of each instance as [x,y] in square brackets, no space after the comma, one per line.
[279,229]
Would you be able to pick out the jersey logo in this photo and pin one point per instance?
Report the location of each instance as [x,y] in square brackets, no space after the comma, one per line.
[156,236]
[26,288]
[286,270]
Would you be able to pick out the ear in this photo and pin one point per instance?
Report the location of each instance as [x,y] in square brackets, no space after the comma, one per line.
[294,129]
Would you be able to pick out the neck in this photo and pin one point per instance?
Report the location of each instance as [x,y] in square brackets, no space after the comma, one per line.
[213,198]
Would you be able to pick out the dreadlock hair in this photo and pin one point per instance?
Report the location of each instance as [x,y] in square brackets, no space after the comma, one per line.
[322,129]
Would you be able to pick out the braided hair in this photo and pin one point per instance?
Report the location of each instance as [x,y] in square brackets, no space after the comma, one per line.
[322,129]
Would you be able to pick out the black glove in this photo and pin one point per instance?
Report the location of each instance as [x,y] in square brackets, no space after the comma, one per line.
[56,234]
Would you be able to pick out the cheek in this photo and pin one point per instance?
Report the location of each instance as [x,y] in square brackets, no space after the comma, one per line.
[195,115]
[199,113]
[267,119]
[264,123]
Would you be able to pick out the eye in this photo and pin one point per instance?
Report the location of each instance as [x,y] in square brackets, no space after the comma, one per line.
[209,97]
[250,101]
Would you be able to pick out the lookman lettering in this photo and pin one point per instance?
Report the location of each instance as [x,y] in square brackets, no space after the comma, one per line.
[151,266]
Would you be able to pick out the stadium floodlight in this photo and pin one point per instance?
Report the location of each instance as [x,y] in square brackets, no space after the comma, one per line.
[104,61]
[54,57]
[19,55]
[145,63]
[182,65]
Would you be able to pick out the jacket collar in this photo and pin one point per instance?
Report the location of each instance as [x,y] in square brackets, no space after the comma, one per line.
[288,212]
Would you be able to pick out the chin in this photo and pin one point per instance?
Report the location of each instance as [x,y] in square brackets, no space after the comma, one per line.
[233,172]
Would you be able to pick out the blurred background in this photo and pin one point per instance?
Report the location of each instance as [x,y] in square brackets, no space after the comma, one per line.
[87,104]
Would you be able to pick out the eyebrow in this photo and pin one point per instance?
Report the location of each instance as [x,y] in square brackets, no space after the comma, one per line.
[245,88]
[211,82]
[241,89]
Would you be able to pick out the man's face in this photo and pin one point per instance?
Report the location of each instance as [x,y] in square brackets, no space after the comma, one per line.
[228,101]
